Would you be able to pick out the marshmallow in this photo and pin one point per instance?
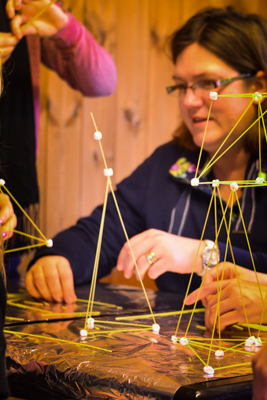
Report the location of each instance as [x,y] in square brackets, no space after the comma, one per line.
[213,95]
[215,183]
[97,135]
[108,172]
[183,341]
[156,328]
[219,353]
[234,186]
[194,182]
[208,370]
[257,96]
[90,322]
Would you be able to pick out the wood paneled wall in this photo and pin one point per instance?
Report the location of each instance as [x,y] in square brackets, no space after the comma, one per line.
[137,118]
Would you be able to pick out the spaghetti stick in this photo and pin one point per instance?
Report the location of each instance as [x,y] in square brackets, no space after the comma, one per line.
[37,15]
[122,223]
[56,340]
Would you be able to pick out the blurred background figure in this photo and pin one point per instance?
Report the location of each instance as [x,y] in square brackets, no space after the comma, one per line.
[63,44]
[8,223]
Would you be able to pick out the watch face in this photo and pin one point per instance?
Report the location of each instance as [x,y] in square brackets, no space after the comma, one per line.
[211,257]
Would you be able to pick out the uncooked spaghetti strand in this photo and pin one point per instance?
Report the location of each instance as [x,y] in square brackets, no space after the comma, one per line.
[34,18]
[203,140]
[191,275]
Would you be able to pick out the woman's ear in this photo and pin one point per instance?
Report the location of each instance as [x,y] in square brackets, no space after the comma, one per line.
[259,85]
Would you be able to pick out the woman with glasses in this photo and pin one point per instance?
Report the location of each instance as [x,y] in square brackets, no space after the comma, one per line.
[216,50]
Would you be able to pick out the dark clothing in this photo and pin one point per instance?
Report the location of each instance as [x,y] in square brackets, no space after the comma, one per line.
[156,197]
[17,139]
[4,393]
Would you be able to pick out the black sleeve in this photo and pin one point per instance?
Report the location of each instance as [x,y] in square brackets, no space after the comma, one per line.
[243,258]
[4,392]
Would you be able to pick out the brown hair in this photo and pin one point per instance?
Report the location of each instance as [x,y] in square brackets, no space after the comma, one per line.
[239,40]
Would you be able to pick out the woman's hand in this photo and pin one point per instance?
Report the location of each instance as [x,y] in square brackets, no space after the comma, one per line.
[7,44]
[47,24]
[259,365]
[224,271]
[8,219]
[228,270]
[173,253]
[51,278]
[12,6]
[231,306]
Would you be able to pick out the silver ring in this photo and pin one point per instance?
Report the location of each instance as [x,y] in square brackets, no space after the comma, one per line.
[151,258]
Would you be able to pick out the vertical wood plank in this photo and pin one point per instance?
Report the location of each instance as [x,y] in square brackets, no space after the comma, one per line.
[62,156]
[100,20]
[132,62]
[162,110]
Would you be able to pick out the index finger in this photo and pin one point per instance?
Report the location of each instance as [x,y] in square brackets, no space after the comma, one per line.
[15,25]
[213,274]
[6,208]
[67,283]
[12,6]
[7,40]
[204,291]
[134,241]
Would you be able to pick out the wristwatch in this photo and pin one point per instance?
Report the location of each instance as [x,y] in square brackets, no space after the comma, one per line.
[210,256]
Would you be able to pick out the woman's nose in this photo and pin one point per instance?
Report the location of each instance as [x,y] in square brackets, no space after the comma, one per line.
[191,99]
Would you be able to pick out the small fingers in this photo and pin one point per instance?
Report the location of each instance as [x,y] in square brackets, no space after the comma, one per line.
[201,293]
[192,297]
[51,278]
[7,45]
[32,287]
[5,54]
[15,25]
[142,266]
[157,269]
[12,6]
[8,219]
[224,315]
[36,283]
[204,302]
[67,283]
[53,284]
[131,252]
[125,261]
[139,267]
[230,318]
[122,256]
[9,226]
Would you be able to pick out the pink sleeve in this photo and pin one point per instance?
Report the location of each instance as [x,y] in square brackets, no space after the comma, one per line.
[77,58]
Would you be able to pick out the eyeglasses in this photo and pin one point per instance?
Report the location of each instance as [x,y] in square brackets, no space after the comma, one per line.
[204,86]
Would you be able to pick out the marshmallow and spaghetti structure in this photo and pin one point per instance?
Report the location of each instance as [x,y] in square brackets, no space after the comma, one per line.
[213,345]
[108,172]
[41,240]
[251,342]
